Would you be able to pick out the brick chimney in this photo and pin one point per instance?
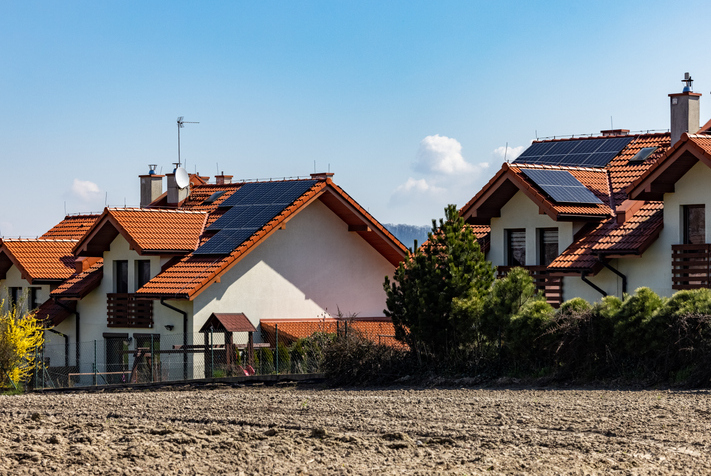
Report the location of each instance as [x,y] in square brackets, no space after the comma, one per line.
[322,176]
[223,179]
[151,186]
[684,111]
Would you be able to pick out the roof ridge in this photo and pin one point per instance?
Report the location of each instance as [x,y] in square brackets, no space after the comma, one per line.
[566,167]
[35,240]
[155,210]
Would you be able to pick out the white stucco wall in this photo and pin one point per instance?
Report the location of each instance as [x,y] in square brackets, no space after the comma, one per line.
[14,279]
[313,265]
[521,212]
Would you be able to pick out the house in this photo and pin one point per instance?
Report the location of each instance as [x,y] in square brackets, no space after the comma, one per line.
[286,250]
[605,214]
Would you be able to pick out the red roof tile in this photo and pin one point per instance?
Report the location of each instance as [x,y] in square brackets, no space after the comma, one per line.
[611,238]
[38,259]
[147,231]
[194,273]
[73,227]
[81,284]
[228,321]
[52,314]
[378,330]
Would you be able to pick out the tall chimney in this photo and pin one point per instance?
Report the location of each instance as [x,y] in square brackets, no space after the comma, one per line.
[151,186]
[175,193]
[684,111]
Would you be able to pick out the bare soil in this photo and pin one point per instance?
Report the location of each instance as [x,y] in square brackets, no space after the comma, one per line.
[289,430]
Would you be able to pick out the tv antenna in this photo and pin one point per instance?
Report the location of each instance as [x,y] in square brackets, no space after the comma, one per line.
[180,126]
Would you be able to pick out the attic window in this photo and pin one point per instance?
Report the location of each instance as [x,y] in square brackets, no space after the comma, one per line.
[643,154]
[213,197]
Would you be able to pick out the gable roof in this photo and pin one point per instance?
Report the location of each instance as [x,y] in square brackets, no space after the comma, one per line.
[607,183]
[229,322]
[72,227]
[661,177]
[38,260]
[195,272]
[148,231]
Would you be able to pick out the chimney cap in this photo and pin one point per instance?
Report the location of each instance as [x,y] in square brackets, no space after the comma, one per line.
[688,88]
[322,175]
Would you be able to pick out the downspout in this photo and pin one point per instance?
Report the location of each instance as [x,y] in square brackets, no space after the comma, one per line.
[185,335]
[624,278]
[66,345]
[76,329]
[591,284]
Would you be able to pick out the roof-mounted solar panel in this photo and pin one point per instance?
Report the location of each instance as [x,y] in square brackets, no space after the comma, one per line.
[574,153]
[561,186]
[643,154]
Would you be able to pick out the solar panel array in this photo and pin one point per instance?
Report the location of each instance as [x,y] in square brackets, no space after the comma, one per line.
[250,208]
[561,186]
[574,153]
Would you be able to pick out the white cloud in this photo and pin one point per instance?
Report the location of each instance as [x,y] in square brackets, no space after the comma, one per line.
[414,188]
[85,191]
[510,154]
[441,155]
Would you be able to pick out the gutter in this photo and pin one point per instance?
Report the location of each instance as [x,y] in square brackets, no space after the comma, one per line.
[76,328]
[185,335]
[591,284]
[624,278]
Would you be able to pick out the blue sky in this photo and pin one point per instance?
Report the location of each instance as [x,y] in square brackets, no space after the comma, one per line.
[409,103]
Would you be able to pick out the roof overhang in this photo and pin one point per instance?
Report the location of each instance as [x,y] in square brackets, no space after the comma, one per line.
[663,175]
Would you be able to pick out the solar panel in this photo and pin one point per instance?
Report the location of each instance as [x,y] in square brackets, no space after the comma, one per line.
[574,153]
[250,208]
[561,186]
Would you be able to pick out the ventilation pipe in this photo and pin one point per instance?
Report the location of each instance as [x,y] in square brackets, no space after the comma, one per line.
[151,186]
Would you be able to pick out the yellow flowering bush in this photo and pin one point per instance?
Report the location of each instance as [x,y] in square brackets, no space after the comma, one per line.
[20,337]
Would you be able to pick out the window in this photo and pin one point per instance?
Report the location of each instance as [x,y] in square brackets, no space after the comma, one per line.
[547,245]
[15,296]
[516,247]
[143,272]
[34,304]
[694,224]
[121,276]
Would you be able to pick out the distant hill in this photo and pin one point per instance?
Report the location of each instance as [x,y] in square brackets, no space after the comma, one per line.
[407,234]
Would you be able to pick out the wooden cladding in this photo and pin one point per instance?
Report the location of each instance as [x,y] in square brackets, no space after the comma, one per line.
[691,266]
[551,286]
[127,310]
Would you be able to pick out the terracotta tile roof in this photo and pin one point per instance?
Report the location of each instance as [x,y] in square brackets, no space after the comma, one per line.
[80,284]
[73,227]
[483,236]
[147,230]
[38,259]
[612,238]
[193,273]
[378,330]
[661,176]
[52,314]
[228,321]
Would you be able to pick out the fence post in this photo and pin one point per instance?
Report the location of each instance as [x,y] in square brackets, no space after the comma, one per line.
[153,360]
[95,362]
[43,367]
[276,331]
[212,354]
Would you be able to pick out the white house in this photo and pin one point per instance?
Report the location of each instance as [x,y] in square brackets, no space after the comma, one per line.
[605,214]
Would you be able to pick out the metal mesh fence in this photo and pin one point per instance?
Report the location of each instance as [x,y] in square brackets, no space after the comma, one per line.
[142,358]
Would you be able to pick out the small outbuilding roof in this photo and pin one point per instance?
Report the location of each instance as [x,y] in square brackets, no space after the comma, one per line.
[228,322]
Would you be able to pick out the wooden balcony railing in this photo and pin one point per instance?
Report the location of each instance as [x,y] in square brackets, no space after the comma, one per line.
[126,310]
[691,266]
[552,286]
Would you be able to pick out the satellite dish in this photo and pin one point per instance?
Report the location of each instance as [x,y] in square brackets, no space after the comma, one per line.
[182,179]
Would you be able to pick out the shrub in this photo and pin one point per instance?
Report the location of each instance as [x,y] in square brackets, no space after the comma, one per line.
[20,337]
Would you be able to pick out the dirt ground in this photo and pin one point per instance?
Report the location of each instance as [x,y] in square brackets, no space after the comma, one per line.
[290,430]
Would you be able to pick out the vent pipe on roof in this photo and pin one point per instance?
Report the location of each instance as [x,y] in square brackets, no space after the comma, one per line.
[684,111]
[151,186]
